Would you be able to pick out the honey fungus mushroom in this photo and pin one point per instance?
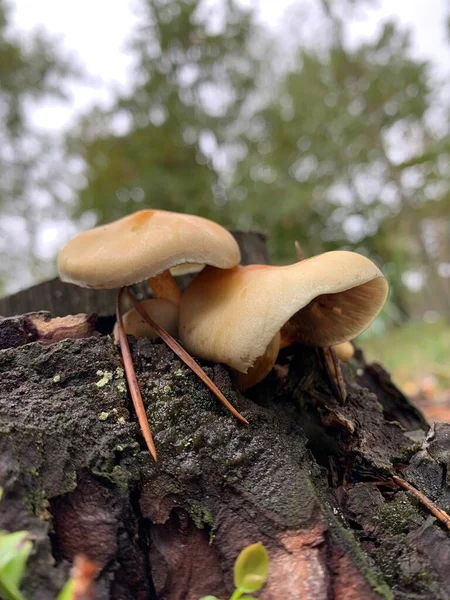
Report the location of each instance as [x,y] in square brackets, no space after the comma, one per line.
[145,246]
[235,316]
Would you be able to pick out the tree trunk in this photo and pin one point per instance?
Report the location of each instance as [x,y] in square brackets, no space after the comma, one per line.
[309,478]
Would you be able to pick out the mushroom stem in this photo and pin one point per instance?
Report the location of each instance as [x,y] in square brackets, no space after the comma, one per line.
[262,366]
[185,357]
[132,381]
[164,286]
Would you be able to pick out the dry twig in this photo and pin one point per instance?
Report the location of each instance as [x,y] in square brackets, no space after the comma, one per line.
[440,514]
[133,382]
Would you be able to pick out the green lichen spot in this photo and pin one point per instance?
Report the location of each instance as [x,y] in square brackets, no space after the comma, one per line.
[178,373]
[119,373]
[121,387]
[121,421]
[120,477]
[167,389]
[202,516]
[56,379]
[106,377]
[103,416]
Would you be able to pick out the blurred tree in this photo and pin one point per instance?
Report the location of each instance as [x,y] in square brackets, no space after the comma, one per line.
[333,144]
[30,70]
[164,143]
[327,163]
[337,150]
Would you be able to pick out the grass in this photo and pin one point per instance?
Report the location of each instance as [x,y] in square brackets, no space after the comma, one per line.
[412,352]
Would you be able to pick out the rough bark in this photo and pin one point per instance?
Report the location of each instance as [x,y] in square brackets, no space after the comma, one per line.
[308,477]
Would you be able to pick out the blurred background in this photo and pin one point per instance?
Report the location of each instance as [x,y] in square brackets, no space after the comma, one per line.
[323,121]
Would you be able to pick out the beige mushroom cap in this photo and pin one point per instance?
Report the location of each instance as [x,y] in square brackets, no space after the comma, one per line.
[344,351]
[232,316]
[165,313]
[143,245]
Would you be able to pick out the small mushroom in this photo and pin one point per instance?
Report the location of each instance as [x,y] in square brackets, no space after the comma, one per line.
[165,313]
[234,316]
[146,245]
[344,351]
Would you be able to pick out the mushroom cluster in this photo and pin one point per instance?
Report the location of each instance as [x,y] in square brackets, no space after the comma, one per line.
[239,316]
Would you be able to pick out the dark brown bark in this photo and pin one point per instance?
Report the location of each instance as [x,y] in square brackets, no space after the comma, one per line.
[308,477]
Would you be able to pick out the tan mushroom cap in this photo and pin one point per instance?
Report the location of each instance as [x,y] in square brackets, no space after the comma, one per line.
[143,245]
[344,351]
[232,316]
[162,311]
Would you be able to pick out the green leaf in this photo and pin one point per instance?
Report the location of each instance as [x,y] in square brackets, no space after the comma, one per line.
[15,549]
[67,591]
[9,593]
[251,568]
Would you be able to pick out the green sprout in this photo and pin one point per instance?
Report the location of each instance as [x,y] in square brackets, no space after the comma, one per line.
[250,572]
[15,549]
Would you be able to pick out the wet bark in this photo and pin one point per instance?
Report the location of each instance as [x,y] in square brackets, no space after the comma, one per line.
[308,477]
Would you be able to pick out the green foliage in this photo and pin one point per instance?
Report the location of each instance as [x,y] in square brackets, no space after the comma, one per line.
[251,568]
[193,78]
[409,361]
[67,591]
[15,549]
[250,572]
[31,70]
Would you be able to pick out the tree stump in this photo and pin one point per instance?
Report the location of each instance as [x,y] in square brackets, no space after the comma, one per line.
[309,478]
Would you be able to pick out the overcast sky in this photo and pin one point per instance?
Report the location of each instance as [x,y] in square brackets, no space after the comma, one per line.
[96,31]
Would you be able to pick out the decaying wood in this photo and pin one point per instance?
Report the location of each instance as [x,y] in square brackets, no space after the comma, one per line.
[310,478]
[40,327]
